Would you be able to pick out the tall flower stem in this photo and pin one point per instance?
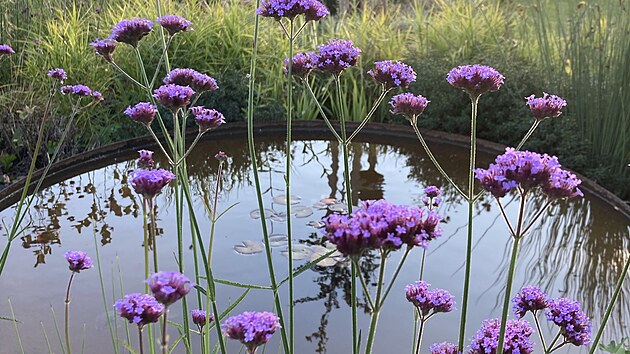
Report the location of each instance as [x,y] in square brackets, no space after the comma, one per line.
[140,344]
[377,309]
[529,133]
[287,189]
[508,287]
[540,334]
[347,182]
[145,220]
[471,205]
[420,332]
[393,280]
[67,317]
[321,110]
[611,304]
[153,234]
[369,115]
[424,254]
[253,158]
[164,341]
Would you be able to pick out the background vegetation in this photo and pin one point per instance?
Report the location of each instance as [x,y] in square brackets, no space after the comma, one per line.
[576,49]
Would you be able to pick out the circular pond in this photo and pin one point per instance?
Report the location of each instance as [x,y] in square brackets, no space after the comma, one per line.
[577,250]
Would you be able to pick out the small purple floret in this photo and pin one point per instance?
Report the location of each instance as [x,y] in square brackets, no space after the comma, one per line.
[145,161]
[193,78]
[105,48]
[173,96]
[337,55]
[429,302]
[131,31]
[58,74]
[444,348]
[199,318]
[531,299]
[432,191]
[142,112]
[253,329]
[139,308]
[77,90]
[150,183]
[408,105]
[174,24]
[475,79]
[97,96]
[313,10]
[78,261]
[302,64]
[573,322]
[221,156]
[169,287]
[6,49]
[517,341]
[547,106]
[207,119]
[391,73]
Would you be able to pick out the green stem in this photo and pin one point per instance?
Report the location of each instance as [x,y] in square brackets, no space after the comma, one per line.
[140,344]
[369,115]
[253,157]
[170,161]
[391,283]
[145,218]
[471,204]
[377,310]
[508,288]
[120,70]
[153,234]
[67,317]
[164,341]
[536,217]
[529,133]
[199,135]
[366,289]
[505,218]
[611,304]
[321,110]
[162,57]
[540,334]
[420,330]
[553,342]
[287,190]
[424,253]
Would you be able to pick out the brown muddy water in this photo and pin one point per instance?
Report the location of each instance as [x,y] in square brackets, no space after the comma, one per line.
[577,250]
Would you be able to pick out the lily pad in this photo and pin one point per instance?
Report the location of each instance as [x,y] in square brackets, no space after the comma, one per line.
[300,251]
[279,217]
[318,224]
[320,206]
[338,208]
[282,199]
[255,214]
[249,247]
[319,251]
[278,240]
[301,211]
[328,201]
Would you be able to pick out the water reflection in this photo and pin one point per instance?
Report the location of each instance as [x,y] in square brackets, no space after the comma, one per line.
[577,251]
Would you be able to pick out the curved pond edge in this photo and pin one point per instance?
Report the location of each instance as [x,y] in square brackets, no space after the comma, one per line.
[302,130]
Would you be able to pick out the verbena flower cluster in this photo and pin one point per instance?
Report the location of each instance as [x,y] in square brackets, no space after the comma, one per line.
[139,308]
[475,79]
[529,299]
[169,287]
[105,48]
[574,325]
[58,74]
[337,55]
[145,161]
[142,112]
[190,77]
[444,348]
[78,261]
[391,73]
[312,10]
[173,96]
[408,105]
[527,170]
[301,65]
[431,198]
[81,91]
[6,49]
[174,24]
[517,341]
[429,302]
[207,118]
[150,183]
[547,106]
[199,318]
[253,329]
[378,224]
[131,31]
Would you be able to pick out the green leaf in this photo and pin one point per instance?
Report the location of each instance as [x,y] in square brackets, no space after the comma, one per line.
[243,285]
[307,266]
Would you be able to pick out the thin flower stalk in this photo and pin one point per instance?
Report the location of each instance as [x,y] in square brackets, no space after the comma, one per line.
[163,57]
[365,120]
[67,314]
[393,280]
[540,333]
[321,110]
[140,341]
[378,302]
[254,161]
[529,133]
[287,179]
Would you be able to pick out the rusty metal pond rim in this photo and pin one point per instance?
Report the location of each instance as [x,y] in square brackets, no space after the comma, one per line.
[301,130]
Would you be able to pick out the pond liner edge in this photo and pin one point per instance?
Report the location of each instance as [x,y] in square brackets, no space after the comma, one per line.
[301,130]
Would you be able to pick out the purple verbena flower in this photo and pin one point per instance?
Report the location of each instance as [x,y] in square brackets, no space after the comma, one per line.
[253,329]
[145,161]
[429,302]
[547,106]
[58,74]
[278,9]
[408,105]
[379,224]
[337,55]
[207,118]
[432,191]
[431,200]
[78,261]
[77,90]
[173,96]
[302,64]
[142,112]
[139,308]
[150,183]
[562,184]
[475,79]
[190,77]
[97,96]
[221,156]
[6,49]
[517,341]
[530,298]
[573,322]
[174,24]
[105,48]
[131,31]
[444,348]
[391,73]
[168,287]
[199,318]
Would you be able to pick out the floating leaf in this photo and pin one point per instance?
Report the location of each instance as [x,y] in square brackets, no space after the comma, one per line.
[279,217]
[338,208]
[249,247]
[318,224]
[320,206]
[278,240]
[282,199]
[300,251]
[328,201]
[301,211]
[319,251]
[255,214]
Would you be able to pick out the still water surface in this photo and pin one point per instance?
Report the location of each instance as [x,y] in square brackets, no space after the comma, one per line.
[577,250]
